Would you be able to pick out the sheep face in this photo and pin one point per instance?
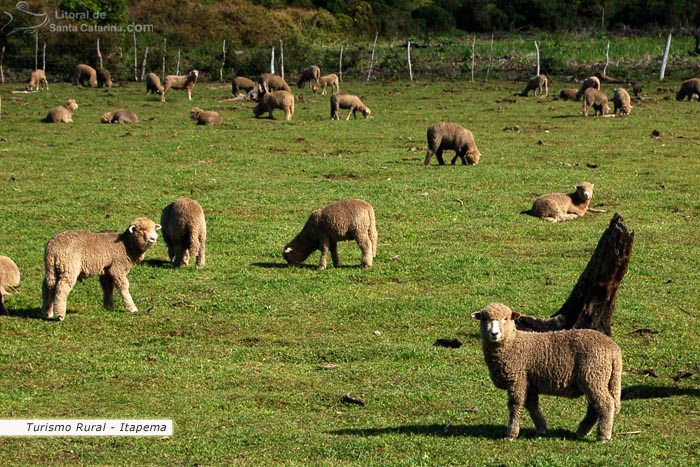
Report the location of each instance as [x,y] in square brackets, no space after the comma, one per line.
[144,233]
[71,105]
[497,322]
[107,117]
[295,253]
[585,190]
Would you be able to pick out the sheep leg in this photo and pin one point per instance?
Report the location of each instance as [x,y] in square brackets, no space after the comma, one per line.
[334,254]
[122,284]
[3,308]
[47,299]
[323,246]
[63,287]
[365,244]
[532,404]
[351,112]
[189,93]
[428,156]
[588,421]
[373,240]
[515,407]
[107,292]
[438,154]
[198,251]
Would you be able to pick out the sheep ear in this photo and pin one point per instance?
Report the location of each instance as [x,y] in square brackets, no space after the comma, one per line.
[158,226]
[131,228]
[514,316]
[288,249]
[476,315]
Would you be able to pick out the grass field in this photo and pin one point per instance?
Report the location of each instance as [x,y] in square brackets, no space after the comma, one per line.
[231,353]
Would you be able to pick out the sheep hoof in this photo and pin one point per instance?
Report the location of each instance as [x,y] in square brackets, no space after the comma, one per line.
[134,310]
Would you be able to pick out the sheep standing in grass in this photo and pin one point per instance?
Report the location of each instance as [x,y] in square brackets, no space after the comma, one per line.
[36,80]
[104,79]
[536,84]
[241,83]
[153,84]
[186,82]
[622,102]
[325,81]
[558,207]
[590,82]
[350,219]
[448,135]
[62,113]
[347,101]
[184,231]
[688,89]
[596,99]
[205,117]
[9,279]
[311,74]
[76,255]
[270,82]
[119,116]
[567,363]
[87,76]
[270,101]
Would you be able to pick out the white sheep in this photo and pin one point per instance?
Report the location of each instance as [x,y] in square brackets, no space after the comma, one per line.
[36,80]
[622,102]
[153,84]
[558,207]
[184,232]
[567,363]
[325,81]
[76,255]
[350,219]
[590,82]
[536,84]
[241,83]
[119,116]
[347,101]
[596,99]
[448,135]
[86,75]
[311,74]
[185,82]
[205,117]
[62,113]
[9,279]
[283,100]
[104,79]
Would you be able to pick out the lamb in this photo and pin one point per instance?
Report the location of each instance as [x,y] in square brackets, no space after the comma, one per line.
[536,84]
[76,255]
[104,78]
[590,82]
[345,220]
[62,113]
[558,207]
[310,74]
[568,94]
[205,117]
[596,99]
[87,76]
[120,116]
[621,101]
[448,135]
[37,78]
[153,85]
[241,83]
[186,82]
[347,101]
[283,100]
[184,231]
[688,89]
[325,81]
[270,82]
[9,279]
[567,363]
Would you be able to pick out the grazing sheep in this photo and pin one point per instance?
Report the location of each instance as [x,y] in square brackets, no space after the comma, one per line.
[241,83]
[568,94]
[184,231]
[688,89]
[62,113]
[347,101]
[350,219]
[104,79]
[536,84]
[596,99]
[622,102]
[590,82]
[283,100]
[87,76]
[9,279]
[310,74]
[603,78]
[567,363]
[558,207]
[153,85]
[448,135]
[325,81]
[37,78]
[186,82]
[120,116]
[270,82]
[205,117]
[76,255]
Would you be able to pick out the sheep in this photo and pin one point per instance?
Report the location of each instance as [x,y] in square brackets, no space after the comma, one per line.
[448,135]
[688,89]
[568,363]
[205,117]
[596,99]
[76,255]
[590,82]
[350,219]
[283,100]
[119,116]
[62,113]
[558,207]
[153,85]
[241,83]
[184,231]
[186,82]
[9,279]
[87,76]
[310,74]
[347,101]
[271,82]
[536,84]
[104,78]
[325,81]
[568,94]
[621,101]
[37,78]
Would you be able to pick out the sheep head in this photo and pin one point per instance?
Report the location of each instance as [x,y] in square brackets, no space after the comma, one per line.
[71,105]
[107,117]
[142,233]
[585,190]
[497,322]
[195,112]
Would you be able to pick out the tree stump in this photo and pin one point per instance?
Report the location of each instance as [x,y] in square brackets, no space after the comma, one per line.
[592,301]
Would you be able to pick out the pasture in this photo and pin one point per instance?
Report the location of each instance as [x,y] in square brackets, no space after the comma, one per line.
[233,353]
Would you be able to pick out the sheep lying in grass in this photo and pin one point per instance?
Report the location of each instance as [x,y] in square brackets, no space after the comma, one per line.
[622,102]
[120,116]
[688,89]
[76,255]
[186,82]
[347,101]
[36,80]
[241,83]
[9,279]
[590,82]
[596,99]
[350,219]
[311,74]
[205,117]
[270,101]
[536,84]
[104,79]
[184,231]
[567,363]
[87,76]
[558,207]
[568,94]
[153,85]
[448,135]
[325,81]
[62,113]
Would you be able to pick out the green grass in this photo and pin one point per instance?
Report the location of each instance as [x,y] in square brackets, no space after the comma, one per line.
[230,352]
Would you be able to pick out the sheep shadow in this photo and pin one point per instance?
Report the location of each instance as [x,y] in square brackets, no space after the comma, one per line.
[648,391]
[269,265]
[494,432]
[157,263]
[30,313]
